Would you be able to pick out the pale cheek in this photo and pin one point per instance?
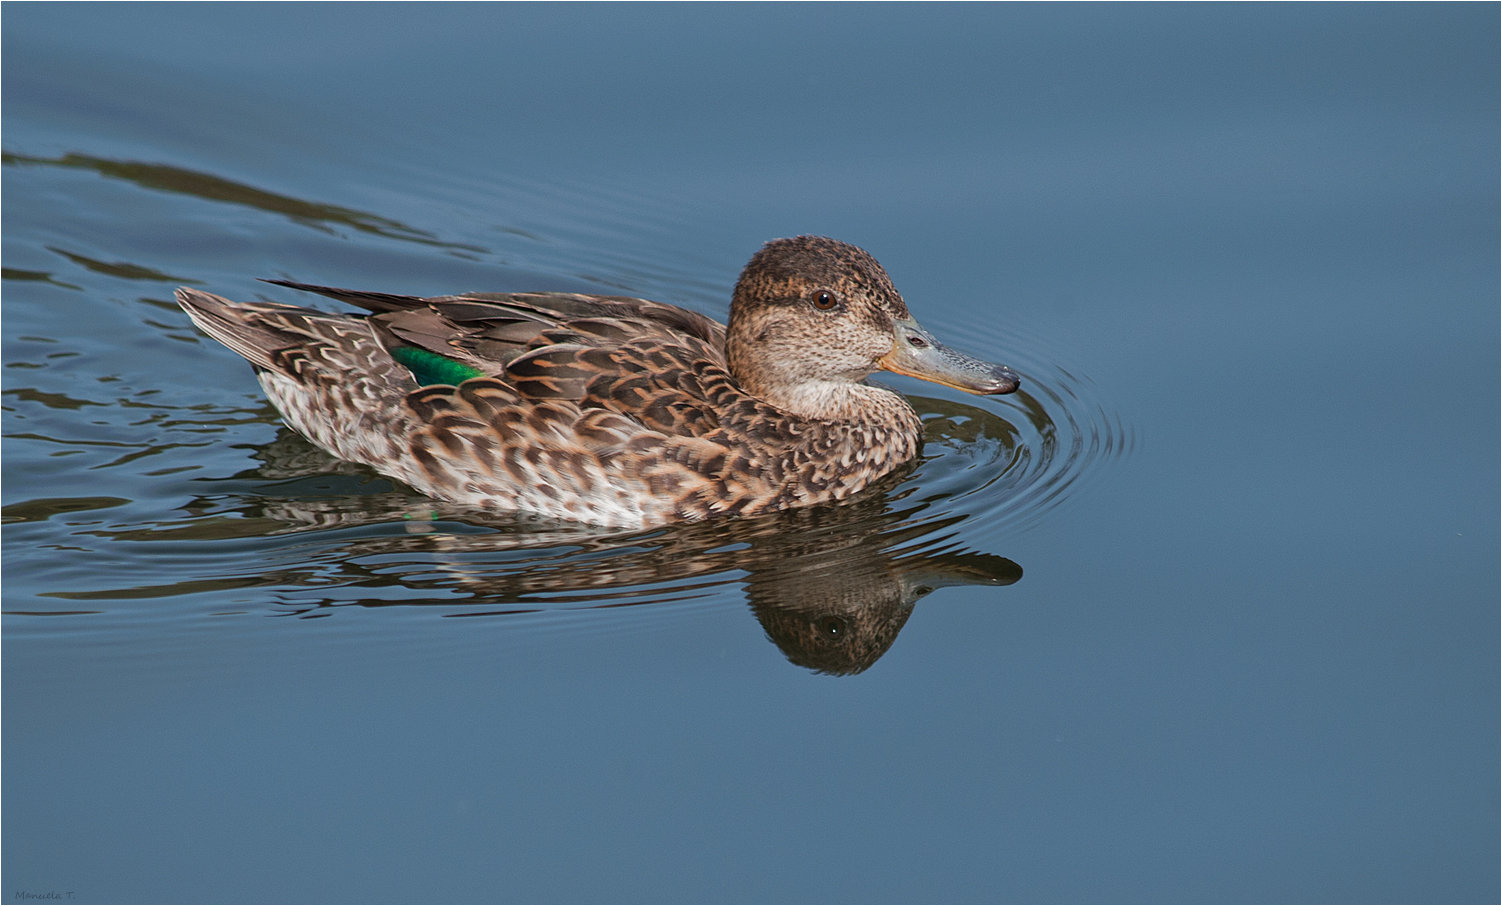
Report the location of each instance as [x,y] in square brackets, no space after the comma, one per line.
[863,347]
[848,348]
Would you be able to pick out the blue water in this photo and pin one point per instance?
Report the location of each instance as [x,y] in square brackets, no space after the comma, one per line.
[1209,614]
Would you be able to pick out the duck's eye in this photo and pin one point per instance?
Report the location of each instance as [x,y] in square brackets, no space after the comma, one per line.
[917,342]
[824,300]
[831,627]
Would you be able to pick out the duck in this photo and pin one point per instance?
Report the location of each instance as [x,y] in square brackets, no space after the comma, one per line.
[608,410]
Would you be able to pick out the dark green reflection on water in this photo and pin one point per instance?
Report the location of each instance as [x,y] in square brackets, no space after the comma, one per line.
[166,178]
[45,508]
[12,273]
[122,269]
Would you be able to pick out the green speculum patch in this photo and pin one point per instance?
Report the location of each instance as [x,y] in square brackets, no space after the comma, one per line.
[430,368]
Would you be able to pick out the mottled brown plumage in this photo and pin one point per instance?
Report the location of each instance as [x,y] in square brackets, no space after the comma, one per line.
[605,409]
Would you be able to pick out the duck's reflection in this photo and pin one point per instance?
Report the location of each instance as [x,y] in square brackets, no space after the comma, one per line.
[838,609]
[831,585]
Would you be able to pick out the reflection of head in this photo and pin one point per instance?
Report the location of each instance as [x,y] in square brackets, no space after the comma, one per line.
[832,622]
[839,611]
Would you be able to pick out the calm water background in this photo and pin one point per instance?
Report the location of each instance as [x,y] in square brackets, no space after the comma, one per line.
[1247,257]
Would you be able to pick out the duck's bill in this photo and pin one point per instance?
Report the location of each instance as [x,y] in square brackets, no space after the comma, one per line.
[917,354]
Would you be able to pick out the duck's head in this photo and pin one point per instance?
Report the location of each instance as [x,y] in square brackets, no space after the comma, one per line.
[812,317]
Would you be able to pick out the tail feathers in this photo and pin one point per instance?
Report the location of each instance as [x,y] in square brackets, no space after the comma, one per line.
[377,302]
[224,321]
[277,337]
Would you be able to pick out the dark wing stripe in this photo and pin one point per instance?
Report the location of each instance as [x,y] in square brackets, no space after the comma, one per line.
[378,302]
